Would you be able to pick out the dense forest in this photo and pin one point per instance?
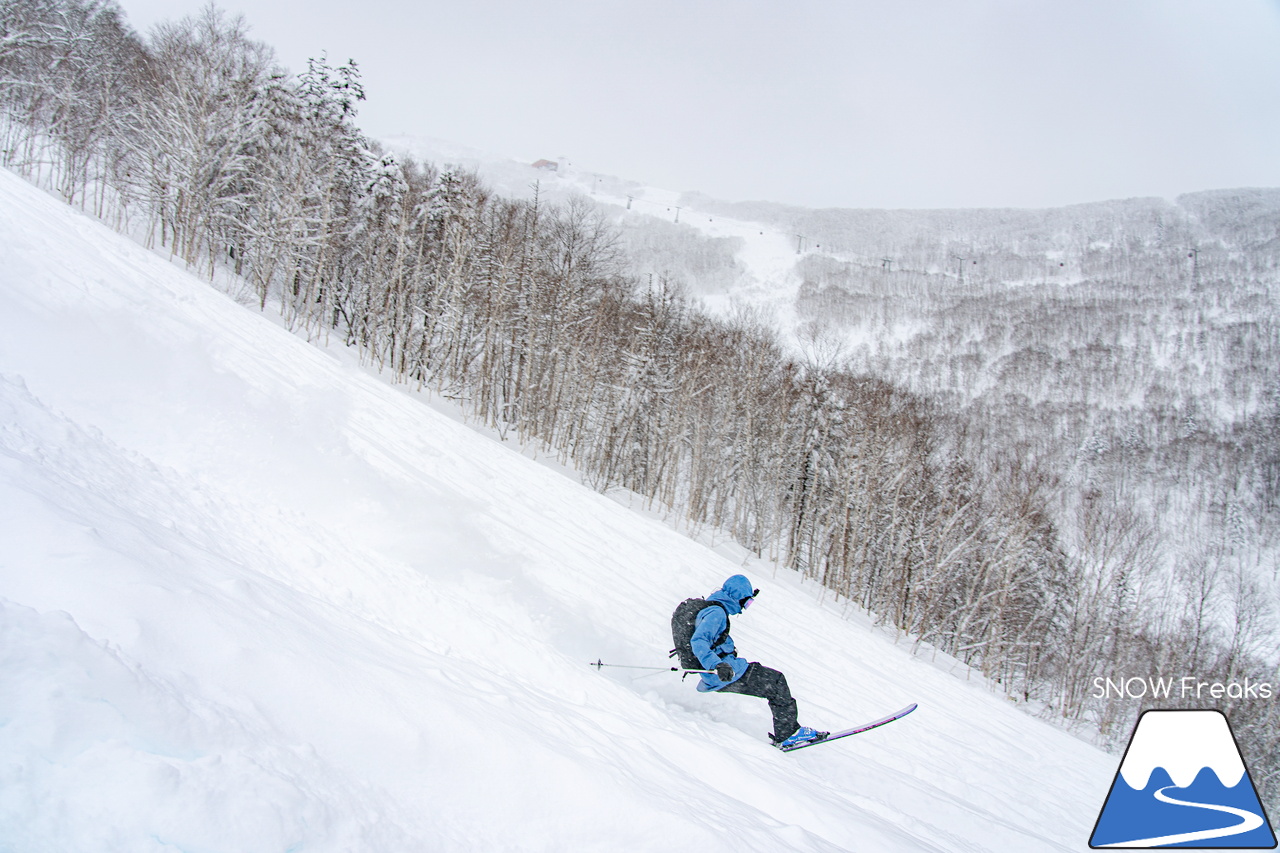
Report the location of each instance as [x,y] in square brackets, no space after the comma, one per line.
[990,487]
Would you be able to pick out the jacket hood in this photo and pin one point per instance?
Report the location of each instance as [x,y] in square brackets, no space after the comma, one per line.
[731,592]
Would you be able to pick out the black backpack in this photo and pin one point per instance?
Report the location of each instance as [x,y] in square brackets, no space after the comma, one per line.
[683,621]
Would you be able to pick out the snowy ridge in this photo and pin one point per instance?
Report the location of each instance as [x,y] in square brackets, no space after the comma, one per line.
[252,598]
[1183,743]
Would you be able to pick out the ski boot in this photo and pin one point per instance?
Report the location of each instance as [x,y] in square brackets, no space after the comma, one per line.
[804,734]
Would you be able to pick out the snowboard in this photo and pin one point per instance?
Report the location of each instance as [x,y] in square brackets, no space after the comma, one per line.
[856,730]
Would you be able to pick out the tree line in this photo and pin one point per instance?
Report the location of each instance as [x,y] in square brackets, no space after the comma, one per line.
[196,141]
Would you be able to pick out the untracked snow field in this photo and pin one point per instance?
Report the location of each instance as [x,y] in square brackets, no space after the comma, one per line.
[255,598]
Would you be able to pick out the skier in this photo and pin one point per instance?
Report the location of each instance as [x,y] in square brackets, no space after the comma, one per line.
[713,647]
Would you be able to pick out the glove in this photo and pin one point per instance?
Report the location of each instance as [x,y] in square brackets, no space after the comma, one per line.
[725,671]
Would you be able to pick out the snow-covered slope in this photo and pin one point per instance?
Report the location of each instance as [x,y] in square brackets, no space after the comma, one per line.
[252,598]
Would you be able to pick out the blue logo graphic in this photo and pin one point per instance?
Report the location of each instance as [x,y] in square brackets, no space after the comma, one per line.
[1183,783]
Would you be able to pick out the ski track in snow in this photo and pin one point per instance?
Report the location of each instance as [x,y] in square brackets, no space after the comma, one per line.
[254,598]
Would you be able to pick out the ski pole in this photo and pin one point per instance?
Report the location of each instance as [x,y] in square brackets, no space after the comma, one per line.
[599,663]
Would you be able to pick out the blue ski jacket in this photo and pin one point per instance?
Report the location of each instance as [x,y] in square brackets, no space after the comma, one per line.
[710,624]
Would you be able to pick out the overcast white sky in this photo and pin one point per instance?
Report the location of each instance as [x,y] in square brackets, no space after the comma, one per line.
[891,103]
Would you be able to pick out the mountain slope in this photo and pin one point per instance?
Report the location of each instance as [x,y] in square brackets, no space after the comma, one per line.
[253,598]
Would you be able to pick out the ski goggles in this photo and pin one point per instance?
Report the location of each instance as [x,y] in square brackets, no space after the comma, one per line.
[746,602]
